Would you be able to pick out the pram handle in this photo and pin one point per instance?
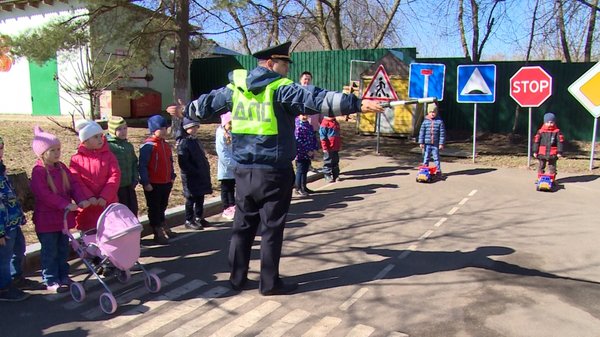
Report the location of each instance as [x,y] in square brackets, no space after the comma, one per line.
[65,224]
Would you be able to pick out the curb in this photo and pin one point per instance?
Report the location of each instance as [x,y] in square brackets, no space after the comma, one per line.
[174,217]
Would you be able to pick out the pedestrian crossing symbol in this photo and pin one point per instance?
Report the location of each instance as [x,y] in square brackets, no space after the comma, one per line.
[476,83]
[380,88]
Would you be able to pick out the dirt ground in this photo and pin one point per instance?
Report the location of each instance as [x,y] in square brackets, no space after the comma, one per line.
[493,150]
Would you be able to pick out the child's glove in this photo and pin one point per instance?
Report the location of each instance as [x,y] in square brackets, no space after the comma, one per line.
[148,188]
[101,202]
[93,201]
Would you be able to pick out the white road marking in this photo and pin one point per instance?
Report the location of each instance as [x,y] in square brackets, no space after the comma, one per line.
[361,331]
[463,201]
[384,272]
[355,297]
[227,308]
[96,313]
[158,301]
[397,334]
[285,324]
[440,222]
[176,312]
[323,327]
[116,288]
[472,193]
[243,322]
[426,235]
[453,210]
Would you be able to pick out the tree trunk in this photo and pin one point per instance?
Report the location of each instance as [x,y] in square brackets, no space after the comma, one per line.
[475,23]
[532,30]
[381,34]
[182,58]
[560,25]
[590,33]
[322,26]
[337,25]
[461,27]
[242,30]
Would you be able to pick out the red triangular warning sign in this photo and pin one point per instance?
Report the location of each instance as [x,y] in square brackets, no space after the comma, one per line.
[380,87]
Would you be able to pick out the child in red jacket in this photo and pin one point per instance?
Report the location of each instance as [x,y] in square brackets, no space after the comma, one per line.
[156,176]
[96,170]
[548,145]
[331,142]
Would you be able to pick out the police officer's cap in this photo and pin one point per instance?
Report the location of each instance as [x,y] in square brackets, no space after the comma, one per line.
[278,52]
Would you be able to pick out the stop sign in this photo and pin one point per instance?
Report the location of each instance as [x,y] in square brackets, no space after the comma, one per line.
[531,86]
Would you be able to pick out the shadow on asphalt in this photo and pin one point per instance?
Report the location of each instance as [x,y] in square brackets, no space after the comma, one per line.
[424,263]
[471,172]
[578,179]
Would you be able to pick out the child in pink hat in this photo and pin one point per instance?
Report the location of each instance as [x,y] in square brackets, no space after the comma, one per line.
[55,191]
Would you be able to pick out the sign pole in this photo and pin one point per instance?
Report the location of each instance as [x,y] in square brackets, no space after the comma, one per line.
[593,143]
[378,117]
[474,130]
[529,142]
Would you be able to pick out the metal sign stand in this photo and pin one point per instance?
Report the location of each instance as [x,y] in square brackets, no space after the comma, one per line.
[474,131]
[593,143]
[529,142]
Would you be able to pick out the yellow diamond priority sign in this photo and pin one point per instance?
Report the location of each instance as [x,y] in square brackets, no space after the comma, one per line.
[586,90]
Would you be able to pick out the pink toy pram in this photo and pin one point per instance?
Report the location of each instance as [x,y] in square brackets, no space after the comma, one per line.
[115,243]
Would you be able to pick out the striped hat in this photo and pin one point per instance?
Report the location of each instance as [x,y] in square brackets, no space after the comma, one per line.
[114,123]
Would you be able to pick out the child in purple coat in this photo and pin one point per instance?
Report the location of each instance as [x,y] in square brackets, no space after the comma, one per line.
[306,144]
[54,189]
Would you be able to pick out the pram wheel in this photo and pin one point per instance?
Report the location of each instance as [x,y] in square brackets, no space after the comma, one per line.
[77,292]
[152,283]
[108,303]
[123,276]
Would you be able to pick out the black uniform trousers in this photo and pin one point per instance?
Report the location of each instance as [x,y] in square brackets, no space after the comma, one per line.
[263,197]
[157,201]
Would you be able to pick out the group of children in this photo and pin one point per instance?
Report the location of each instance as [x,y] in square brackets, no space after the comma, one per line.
[306,145]
[104,170]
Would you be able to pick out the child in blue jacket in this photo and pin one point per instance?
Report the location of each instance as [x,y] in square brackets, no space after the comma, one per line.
[432,137]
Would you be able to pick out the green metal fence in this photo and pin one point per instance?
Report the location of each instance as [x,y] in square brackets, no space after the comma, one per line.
[331,71]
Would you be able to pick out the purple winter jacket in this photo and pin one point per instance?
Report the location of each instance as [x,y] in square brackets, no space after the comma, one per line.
[49,207]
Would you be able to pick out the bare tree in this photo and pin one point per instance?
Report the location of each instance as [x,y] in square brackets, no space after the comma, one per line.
[590,31]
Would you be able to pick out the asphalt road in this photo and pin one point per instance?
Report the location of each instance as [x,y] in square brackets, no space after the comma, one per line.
[376,254]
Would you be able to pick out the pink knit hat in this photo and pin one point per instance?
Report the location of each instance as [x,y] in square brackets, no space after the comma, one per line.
[42,141]
[225,118]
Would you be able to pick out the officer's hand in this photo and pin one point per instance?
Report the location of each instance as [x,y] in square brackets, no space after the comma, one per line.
[370,106]
[176,110]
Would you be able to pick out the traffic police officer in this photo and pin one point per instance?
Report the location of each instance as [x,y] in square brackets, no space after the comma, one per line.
[264,104]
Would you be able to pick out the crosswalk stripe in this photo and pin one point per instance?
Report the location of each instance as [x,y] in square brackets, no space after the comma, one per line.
[397,334]
[361,331]
[96,313]
[355,297]
[155,302]
[286,323]
[213,315]
[323,327]
[176,312]
[139,277]
[246,320]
